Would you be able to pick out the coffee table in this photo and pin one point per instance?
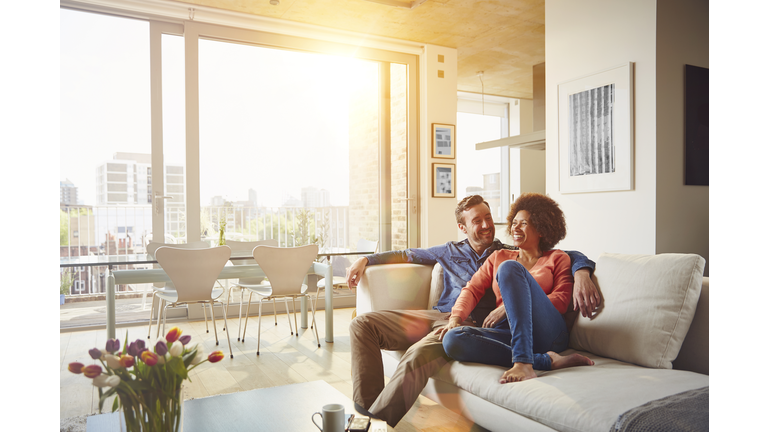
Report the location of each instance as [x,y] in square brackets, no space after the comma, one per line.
[284,408]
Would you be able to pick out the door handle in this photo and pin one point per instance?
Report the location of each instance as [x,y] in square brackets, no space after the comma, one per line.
[158,200]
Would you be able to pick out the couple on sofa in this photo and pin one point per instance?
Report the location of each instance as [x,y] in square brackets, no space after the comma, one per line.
[517,324]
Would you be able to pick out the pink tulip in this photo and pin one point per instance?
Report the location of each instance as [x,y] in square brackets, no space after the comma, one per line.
[149,358]
[92,371]
[76,367]
[173,335]
[127,361]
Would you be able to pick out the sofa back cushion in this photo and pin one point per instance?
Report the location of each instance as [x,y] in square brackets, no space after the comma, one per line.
[647,308]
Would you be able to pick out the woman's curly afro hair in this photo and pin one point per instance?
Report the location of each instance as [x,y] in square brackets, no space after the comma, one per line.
[546,217]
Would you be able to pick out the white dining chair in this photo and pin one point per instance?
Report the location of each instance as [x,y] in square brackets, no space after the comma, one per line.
[194,273]
[340,282]
[244,283]
[285,269]
[166,286]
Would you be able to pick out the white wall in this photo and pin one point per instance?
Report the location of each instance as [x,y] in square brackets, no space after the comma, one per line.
[682,217]
[438,105]
[582,38]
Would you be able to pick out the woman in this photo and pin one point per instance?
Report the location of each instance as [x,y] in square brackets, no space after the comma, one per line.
[533,287]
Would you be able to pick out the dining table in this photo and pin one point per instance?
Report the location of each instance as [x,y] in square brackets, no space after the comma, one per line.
[151,275]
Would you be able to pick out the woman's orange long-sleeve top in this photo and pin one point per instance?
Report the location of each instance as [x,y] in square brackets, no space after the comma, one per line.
[552,272]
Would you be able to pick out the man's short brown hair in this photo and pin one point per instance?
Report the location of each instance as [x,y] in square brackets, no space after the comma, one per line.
[467,203]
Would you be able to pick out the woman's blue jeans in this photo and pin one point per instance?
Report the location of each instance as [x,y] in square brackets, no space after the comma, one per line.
[533,326]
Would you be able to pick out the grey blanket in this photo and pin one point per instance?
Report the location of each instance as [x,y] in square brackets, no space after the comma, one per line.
[686,411]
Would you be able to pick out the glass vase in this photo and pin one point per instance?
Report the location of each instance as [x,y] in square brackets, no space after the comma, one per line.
[152,411]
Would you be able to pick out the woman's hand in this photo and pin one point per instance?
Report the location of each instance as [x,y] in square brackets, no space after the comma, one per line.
[494,317]
[453,321]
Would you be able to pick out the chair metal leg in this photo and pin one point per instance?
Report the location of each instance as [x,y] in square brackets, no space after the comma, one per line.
[213,318]
[317,294]
[161,309]
[295,323]
[258,334]
[229,343]
[288,315]
[151,310]
[240,314]
[206,319]
[248,312]
[274,309]
[317,338]
[165,309]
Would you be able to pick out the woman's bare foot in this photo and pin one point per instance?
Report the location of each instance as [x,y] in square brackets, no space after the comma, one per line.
[519,372]
[560,362]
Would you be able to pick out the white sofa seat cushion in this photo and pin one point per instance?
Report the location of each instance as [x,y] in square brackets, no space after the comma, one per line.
[584,398]
[587,398]
[648,304]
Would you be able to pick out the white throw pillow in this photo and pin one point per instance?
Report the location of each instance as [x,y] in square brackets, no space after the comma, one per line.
[648,304]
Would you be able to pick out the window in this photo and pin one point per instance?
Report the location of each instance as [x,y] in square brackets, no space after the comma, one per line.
[478,170]
[306,139]
[485,172]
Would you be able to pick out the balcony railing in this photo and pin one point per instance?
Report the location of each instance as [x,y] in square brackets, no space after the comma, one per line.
[122,230]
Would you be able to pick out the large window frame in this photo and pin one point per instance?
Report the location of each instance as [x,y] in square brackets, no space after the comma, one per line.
[168,18]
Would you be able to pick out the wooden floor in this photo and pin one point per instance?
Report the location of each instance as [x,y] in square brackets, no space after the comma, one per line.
[283,359]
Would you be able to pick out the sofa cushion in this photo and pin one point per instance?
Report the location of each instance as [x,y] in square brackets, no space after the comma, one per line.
[586,398]
[647,308]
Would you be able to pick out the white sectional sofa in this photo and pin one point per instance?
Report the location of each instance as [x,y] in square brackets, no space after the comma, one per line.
[649,340]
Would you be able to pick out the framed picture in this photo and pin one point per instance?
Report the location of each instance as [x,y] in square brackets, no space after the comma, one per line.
[596,131]
[443,141]
[443,180]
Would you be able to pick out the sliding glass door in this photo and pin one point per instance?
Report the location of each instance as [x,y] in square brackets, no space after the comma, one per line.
[299,141]
[171,132]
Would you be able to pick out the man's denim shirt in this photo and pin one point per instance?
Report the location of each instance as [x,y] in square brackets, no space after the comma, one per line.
[460,262]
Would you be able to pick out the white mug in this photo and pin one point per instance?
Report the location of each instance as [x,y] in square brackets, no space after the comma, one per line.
[333,418]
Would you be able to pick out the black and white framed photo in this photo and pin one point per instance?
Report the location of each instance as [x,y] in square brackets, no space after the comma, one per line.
[596,131]
[443,141]
[443,180]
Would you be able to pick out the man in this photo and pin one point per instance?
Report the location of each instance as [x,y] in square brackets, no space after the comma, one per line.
[414,330]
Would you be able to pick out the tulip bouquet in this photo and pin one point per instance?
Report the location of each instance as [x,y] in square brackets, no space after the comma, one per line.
[147,382]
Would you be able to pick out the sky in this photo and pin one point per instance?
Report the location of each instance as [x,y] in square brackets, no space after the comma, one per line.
[271,120]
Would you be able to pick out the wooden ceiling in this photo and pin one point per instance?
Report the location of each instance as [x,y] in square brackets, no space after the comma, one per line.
[502,38]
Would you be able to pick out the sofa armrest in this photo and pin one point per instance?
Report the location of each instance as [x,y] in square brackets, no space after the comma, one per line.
[394,287]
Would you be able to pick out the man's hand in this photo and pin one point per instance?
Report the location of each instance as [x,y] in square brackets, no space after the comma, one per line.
[495,316]
[585,295]
[453,321]
[355,272]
